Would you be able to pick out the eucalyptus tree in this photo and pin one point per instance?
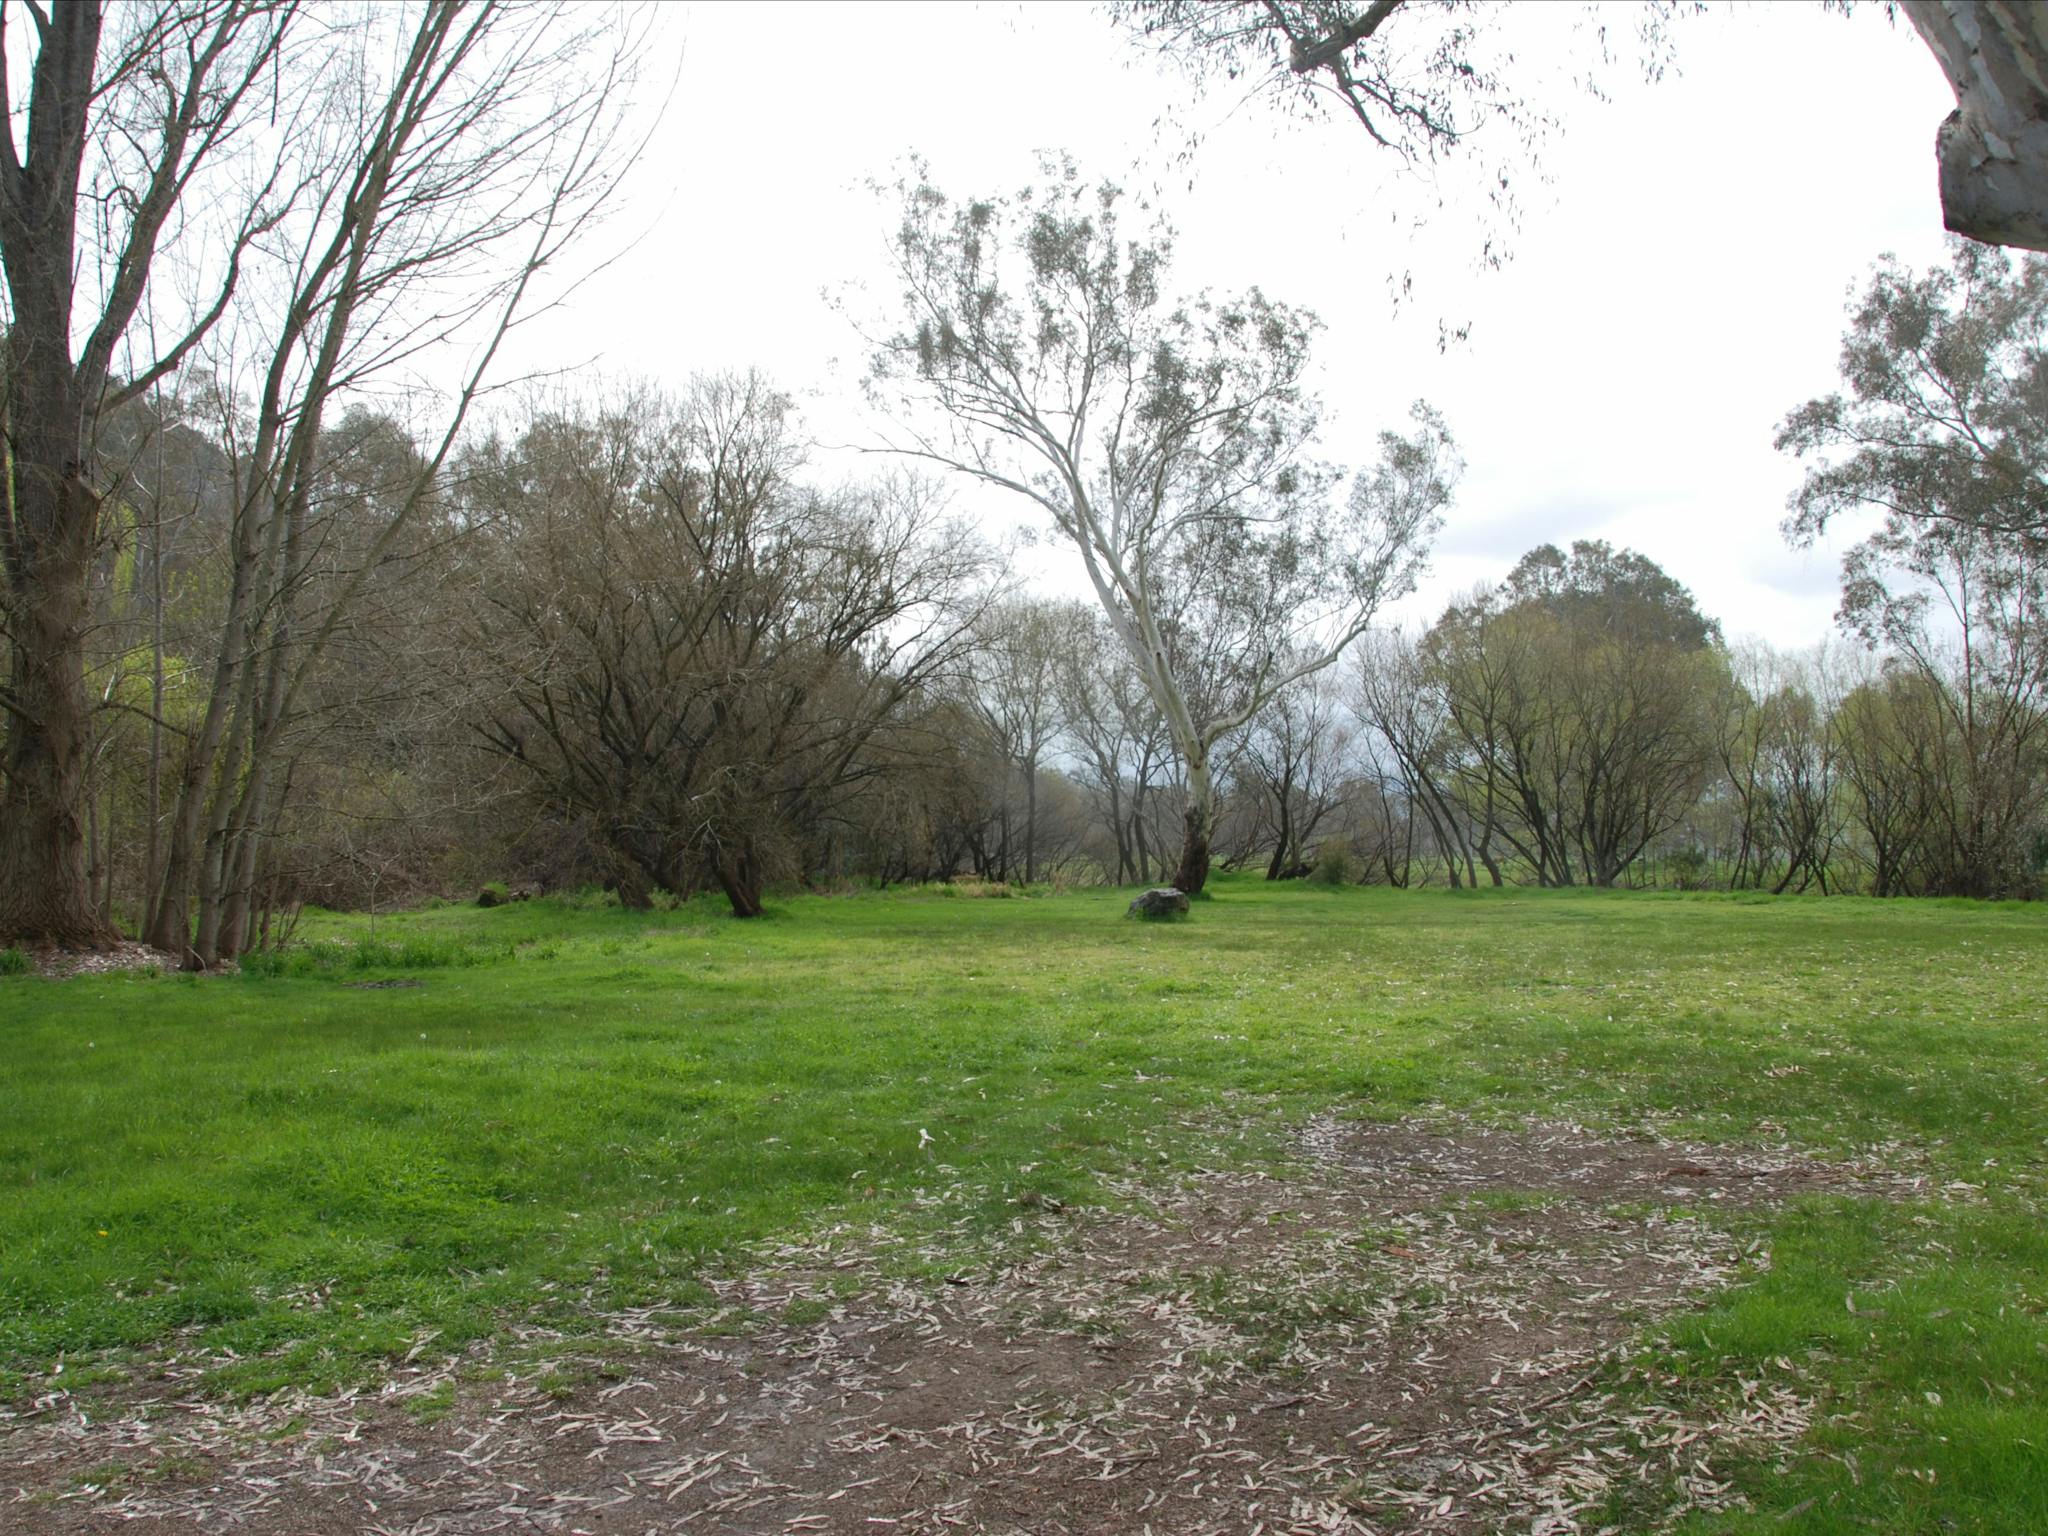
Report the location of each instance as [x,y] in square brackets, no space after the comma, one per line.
[1943,417]
[1170,442]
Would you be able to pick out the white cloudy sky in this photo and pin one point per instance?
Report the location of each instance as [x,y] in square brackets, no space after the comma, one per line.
[1679,282]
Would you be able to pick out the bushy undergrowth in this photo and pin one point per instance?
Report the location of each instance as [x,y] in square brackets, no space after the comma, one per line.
[414,952]
[968,888]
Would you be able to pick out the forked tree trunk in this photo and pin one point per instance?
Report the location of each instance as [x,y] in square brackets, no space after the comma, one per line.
[740,877]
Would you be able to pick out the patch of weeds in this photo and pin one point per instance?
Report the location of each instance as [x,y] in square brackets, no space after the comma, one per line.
[175,1468]
[102,1474]
[730,1323]
[433,1405]
[559,1383]
[802,1311]
[1086,1325]
[1420,1299]
[972,888]
[13,961]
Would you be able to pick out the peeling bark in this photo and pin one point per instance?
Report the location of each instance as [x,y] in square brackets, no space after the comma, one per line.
[1992,151]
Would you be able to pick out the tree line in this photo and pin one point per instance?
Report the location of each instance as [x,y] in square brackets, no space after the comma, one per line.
[633,641]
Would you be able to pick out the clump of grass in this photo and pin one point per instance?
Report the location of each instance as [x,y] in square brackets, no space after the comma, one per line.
[13,961]
[415,952]
[974,888]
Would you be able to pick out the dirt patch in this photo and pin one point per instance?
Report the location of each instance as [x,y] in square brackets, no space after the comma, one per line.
[50,961]
[1406,1329]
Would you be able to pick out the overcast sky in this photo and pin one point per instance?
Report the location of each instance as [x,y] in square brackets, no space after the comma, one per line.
[1678,284]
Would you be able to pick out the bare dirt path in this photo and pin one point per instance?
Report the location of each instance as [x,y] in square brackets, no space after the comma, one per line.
[1408,1328]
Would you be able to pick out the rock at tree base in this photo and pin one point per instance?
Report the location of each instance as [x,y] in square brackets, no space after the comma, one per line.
[1160,901]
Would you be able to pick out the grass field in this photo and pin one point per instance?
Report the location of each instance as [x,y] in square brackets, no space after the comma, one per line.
[304,1171]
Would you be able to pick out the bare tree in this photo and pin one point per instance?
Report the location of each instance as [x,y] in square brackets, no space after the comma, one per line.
[1010,684]
[1169,443]
[1117,739]
[1961,613]
[1403,704]
[120,125]
[1298,753]
[448,155]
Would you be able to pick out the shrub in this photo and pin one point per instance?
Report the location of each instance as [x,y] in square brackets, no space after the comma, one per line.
[1688,869]
[1333,867]
[974,888]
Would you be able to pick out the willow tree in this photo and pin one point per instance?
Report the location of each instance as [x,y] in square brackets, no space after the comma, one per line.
[687,649]
[1171,442]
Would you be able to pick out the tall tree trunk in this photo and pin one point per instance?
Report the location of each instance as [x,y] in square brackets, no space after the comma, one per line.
[1030,820]
[1141,853]
[739,876]
[151,865]
[45,894]
[1992,151]
[1284,795]
[1123,835]
[107,853]
[52,518]
[1198,828]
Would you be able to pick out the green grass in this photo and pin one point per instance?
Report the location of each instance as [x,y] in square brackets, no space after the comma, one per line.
[577,1103]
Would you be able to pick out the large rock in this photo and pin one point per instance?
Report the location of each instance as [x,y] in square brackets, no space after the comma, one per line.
[1159,902]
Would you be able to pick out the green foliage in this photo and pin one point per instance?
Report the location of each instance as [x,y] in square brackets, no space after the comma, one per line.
[13,962]
[1581,694]
[1333,866]
[1941,422]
